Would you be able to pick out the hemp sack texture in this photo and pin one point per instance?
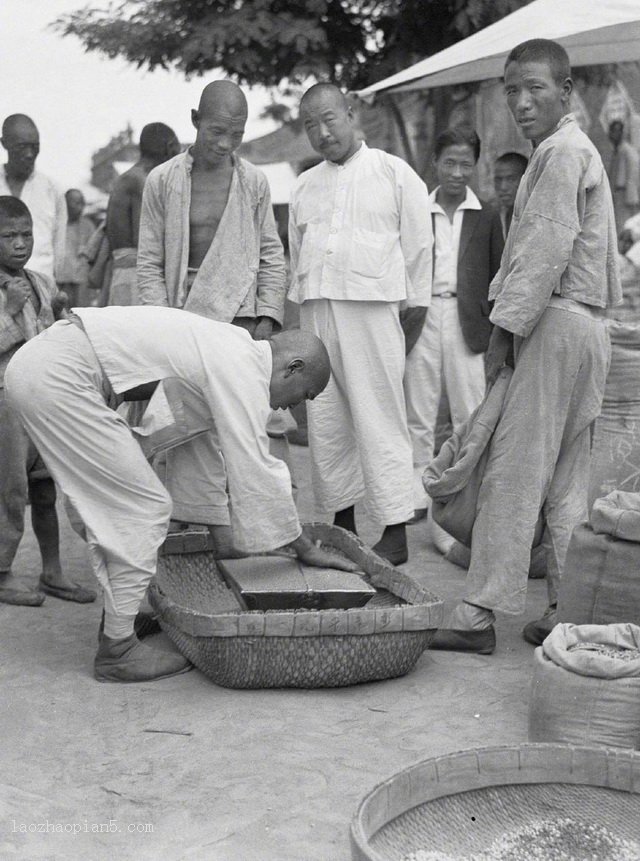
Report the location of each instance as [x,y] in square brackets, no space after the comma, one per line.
[586,686]
[616,440]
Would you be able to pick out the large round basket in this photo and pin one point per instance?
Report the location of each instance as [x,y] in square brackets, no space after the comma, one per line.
[238,648]
[458,805]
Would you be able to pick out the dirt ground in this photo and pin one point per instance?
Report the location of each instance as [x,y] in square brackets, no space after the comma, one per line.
[183,769]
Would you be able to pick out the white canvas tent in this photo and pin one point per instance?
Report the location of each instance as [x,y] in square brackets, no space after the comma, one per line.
[592,31]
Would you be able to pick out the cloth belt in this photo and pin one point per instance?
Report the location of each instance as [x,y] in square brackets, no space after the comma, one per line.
[446,295]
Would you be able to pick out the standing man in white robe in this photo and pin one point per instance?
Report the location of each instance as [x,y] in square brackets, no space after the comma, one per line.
[63,385]
[45,201]
[360,243]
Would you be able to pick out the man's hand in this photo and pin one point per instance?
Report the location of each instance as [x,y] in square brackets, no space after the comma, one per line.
[264,329]
[412,321]
[18,293]
[307,552]
[499,353]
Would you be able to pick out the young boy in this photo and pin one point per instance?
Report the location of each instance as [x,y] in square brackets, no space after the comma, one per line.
[449,350]
[25,310]
[558,272]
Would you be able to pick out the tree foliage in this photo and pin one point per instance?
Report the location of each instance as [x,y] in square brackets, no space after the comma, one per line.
[352,42]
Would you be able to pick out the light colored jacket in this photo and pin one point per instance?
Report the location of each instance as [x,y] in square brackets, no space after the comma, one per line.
[243,273]
[361,231]
[562,237]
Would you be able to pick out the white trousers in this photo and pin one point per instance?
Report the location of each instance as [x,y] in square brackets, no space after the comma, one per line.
[439,357]
[358,437]
[55,385]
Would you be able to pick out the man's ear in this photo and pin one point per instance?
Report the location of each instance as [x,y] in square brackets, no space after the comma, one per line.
[295,366]
[567,88]
[195,118]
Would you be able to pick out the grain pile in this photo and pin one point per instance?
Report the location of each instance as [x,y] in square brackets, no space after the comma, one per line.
[549,840]
[620,653]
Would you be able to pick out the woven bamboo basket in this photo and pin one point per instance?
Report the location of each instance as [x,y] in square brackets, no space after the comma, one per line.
[237,648]
[460,803]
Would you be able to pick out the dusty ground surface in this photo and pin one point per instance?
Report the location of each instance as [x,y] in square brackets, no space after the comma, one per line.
[182,769]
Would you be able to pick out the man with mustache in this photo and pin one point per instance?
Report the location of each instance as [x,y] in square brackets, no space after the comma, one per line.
[46,203]
[360,242]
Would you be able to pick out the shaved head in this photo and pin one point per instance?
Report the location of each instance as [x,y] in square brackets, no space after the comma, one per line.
[224,98]
[21,140]
[329,123]
[301,368]
[219,121]
[18,125]
[328,92]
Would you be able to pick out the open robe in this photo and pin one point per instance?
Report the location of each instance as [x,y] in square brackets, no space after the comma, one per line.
[243,272]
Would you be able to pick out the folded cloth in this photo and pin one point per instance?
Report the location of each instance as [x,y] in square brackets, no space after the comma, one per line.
[617,514]
[453,478]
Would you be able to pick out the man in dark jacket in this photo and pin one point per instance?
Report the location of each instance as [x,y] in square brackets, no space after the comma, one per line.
[449,351]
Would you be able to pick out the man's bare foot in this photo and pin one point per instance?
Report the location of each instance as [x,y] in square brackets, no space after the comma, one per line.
[13,591]
[54,582]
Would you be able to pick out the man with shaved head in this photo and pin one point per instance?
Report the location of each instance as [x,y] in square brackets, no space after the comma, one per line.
[360,242]
[205,374]
[209,244]
[158,143]
[46,203]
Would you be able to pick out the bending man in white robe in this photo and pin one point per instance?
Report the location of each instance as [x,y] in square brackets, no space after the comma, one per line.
[63,386]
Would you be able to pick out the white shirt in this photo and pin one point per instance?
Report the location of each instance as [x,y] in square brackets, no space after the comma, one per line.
[447,242]
[229,374]
[361,231]
[49,213]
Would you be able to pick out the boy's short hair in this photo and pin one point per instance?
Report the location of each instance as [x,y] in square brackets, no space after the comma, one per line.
[515,159]
[458,136]
[542,51]
[13,207]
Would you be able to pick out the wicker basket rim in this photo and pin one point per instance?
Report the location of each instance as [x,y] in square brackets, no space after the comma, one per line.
[300,623]
[477,768]
[423,610]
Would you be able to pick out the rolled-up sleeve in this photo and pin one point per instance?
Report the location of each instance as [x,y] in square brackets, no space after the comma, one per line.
[152,286]
[271,286]
[416,237]
[542,244]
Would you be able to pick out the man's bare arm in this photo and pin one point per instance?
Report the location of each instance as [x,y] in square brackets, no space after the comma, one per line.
[120,229]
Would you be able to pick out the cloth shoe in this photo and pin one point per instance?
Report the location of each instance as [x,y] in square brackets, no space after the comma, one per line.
[393,544]
[537,632]
[470,630]
[129,660]
[477,642]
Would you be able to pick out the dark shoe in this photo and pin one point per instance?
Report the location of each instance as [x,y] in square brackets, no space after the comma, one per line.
[21,598]
[145,625]
[78,594]
[418,515]
[395,555]
[393,544]
[478,642]
[537,632]
[129,660]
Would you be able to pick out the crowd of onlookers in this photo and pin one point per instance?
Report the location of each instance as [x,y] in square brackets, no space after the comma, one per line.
[412,293]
